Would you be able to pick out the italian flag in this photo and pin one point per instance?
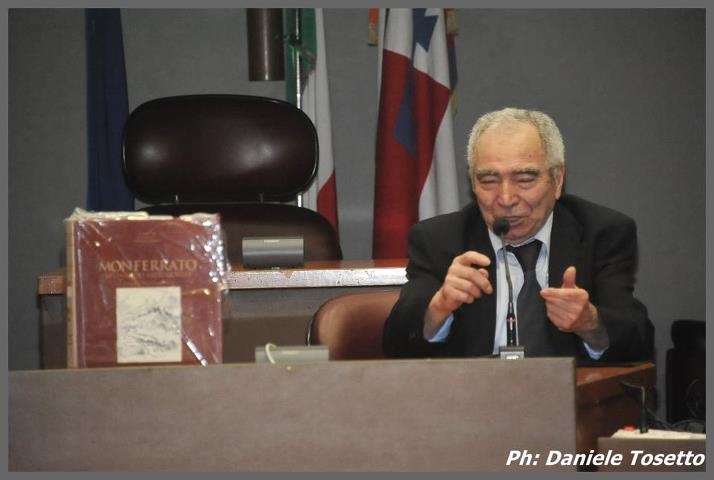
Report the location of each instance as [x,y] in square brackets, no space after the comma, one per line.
[309,52]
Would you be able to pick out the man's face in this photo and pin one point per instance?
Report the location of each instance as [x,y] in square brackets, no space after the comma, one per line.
[510,179]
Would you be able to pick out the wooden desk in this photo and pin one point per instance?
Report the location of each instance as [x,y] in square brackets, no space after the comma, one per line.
[276,305]
[261,306]
[366,273]
[603,404]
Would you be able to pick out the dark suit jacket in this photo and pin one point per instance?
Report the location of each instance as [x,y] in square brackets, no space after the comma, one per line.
[601,243]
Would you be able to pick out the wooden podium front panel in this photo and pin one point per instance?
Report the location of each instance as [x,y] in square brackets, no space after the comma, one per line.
[430,415]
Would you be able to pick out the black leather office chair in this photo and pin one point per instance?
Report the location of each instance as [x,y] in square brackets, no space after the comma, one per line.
[685,372]
[237,155]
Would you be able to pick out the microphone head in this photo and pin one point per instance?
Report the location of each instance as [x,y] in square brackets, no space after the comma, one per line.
[500,226]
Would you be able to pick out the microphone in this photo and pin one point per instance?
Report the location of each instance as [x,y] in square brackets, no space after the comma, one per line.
[501,226]
[511,350]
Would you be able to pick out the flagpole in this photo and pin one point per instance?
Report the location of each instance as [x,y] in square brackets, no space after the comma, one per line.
[298,60]
[297,42]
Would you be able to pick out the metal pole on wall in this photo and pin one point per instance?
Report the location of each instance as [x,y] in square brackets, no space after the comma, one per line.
[297,42]
[298,59]
[265,44]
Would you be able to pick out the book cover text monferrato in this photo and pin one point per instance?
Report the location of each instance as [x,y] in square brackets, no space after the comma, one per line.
[143,289]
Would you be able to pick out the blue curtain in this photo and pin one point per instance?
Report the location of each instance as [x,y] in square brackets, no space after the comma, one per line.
[107,110]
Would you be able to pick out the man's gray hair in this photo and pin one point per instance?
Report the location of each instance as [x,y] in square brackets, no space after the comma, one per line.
[547,129]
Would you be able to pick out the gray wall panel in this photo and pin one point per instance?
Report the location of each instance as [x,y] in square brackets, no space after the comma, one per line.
[47,157]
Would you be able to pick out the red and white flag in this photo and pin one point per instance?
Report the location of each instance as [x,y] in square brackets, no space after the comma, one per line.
[415,176]
[322,194]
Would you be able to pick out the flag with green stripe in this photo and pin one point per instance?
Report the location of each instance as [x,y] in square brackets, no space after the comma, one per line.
[306,75]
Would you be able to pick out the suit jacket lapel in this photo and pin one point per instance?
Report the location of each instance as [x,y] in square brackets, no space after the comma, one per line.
[480,316]
[566,246]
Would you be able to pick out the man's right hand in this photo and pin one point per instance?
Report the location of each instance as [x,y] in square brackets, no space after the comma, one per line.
[466,281]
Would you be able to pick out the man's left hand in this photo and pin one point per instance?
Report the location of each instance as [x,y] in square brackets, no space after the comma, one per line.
[569,307]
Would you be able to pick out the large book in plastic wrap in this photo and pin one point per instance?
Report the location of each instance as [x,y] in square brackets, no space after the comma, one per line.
[144,289]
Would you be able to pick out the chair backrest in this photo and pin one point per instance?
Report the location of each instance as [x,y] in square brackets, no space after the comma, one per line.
[351,325]
[218,148]
[685,371]
[236,155]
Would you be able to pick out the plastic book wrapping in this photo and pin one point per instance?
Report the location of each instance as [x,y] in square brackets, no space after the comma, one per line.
[144,289]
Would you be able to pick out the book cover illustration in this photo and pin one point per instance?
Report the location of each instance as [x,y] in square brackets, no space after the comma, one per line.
[143,289]
[148,324]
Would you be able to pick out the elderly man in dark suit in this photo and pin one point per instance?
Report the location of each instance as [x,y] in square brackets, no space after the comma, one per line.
[572,262]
